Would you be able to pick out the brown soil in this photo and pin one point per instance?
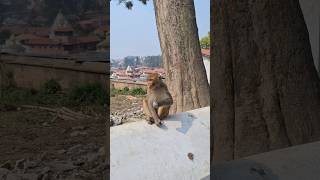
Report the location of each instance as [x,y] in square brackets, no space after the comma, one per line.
[28,133]
[120,103]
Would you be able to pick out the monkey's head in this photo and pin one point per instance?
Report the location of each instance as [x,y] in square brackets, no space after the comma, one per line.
[153,79]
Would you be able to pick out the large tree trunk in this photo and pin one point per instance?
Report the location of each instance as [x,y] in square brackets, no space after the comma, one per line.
[182,59]
[266,91]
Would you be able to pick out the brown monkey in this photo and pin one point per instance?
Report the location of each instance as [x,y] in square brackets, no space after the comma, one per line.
[157,103]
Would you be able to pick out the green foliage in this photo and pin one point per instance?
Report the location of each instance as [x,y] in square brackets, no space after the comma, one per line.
[138,91]
[51,94]
[52,7]
[88,94]
[51,87]
[15,95]
[129,3]
[205,42]
[4,35]
[126,91]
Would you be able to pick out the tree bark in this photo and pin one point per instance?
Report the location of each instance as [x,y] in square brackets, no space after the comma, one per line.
[265,87]
[182,59]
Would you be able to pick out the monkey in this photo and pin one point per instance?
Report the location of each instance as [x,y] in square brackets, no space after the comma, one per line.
[156,104]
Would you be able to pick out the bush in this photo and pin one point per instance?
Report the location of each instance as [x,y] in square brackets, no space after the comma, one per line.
[138,91]
[51,87]
[115,92]
[8,81]
[127,91]
[14,95]
[88,94]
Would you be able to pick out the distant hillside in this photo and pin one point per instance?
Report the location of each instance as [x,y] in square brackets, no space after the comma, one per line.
[26,10]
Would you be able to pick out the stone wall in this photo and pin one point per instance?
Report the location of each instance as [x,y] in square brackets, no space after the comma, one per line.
[33,72]
[120,84]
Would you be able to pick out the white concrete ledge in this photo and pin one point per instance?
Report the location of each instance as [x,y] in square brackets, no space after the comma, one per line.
[139,151]
[294,163]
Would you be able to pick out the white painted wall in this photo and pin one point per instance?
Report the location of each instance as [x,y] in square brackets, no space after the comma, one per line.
[207,66]
[140,151]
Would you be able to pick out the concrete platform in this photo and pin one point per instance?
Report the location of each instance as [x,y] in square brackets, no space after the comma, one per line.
[207,67]
[294,163]
[139,151]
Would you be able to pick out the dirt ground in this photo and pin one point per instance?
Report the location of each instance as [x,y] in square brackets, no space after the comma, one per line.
[121,103]
[126,109]
[32,134]
[58,148]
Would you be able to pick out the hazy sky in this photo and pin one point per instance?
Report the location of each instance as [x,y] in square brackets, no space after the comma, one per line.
[134,32]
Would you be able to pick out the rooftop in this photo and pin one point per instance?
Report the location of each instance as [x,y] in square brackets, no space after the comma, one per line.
[205,52]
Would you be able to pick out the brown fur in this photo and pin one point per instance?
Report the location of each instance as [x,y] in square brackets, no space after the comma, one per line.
[159,94]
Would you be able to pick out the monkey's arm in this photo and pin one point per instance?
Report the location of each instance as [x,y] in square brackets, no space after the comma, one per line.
[165,101]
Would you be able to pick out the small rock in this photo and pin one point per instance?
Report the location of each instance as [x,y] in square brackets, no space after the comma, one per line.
[13,177]
[76,147]
[20,164]
[31,164]
[79,163]
[45,177]
[45,124]
[92,157]
[30,176]
[78,133]
[43,156]
[62,166]
[102,151]
[4,171]
[62,151]
[45,170]
[79,128]
[190,156]
[116,120]
[131,97]
[63,131]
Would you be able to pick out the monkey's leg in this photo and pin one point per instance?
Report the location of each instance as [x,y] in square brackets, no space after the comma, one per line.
[163,112]
[147,112]
[153,112]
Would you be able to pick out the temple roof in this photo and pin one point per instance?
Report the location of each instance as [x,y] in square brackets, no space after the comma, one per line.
[61,23]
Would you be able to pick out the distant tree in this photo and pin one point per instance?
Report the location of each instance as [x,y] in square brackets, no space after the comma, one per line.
[152,61]
[50,8]
[205,42]
[138,61]
[129,61]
